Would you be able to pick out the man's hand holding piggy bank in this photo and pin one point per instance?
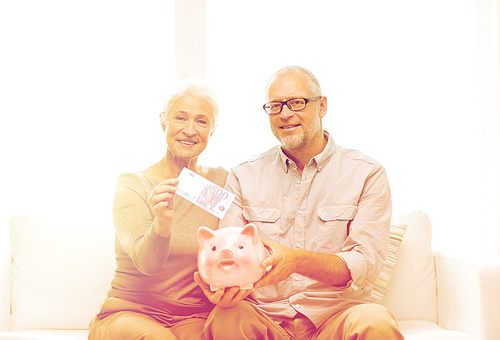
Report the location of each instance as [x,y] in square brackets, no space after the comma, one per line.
[230,257]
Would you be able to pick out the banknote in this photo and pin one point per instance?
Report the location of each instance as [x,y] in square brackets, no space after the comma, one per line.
[203,193]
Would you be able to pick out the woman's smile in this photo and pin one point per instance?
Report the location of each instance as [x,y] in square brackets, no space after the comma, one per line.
[187,142]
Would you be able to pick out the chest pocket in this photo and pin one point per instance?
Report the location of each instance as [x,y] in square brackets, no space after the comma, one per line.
[338,212]
[333,226]
[266,218]
[261,213]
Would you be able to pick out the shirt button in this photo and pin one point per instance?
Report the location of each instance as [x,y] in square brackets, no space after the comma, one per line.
[296,278]
[259,215]
[297,306]
[298,181]
[299,245]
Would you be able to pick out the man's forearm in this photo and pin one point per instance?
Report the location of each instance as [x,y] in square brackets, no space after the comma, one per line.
[321,267]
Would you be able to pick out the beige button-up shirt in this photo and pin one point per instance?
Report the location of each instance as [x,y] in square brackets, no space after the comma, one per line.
[340,205]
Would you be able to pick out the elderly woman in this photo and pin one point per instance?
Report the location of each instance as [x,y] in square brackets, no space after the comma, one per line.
[153,294]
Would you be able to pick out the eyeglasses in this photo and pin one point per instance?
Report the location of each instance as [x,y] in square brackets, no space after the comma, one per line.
[295,104]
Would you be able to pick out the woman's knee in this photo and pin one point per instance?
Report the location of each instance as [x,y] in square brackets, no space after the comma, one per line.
[243,321]
[129,326]
[242,309]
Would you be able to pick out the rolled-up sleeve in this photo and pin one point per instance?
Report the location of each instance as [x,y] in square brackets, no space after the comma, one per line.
[365,249]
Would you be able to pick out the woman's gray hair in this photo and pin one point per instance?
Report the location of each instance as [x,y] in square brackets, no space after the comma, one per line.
[314,85]
[197,88]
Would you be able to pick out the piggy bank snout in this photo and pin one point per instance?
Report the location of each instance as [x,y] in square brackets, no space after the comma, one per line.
[226,254]
[226,259]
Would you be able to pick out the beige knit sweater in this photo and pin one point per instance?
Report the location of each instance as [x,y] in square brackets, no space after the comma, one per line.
[153,270]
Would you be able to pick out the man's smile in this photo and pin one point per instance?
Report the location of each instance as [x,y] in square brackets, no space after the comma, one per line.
[290,126]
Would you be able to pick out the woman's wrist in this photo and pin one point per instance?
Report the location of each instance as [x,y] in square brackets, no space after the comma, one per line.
[162,227]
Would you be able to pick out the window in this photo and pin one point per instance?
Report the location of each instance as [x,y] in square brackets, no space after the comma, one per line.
[401,78]
[82,85]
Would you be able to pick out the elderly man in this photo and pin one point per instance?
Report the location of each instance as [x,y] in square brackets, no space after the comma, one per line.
[323,213]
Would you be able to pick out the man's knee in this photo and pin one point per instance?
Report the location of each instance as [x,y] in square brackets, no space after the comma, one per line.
[366,321]
[371,321]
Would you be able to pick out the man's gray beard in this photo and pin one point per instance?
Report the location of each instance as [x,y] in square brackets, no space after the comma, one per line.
[295,142]
[292,142]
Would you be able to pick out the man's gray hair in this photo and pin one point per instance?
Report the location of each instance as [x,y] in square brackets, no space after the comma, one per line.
[197,88]
[314,85]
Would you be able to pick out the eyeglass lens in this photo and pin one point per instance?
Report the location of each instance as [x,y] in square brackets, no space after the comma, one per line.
[293,104]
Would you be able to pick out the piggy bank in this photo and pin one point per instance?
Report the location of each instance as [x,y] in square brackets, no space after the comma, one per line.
[230,257]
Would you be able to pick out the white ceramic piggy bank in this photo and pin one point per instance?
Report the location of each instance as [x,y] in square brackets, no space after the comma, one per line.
[230,257]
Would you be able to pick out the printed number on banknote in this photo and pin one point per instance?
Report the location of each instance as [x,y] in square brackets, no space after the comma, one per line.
[205,194]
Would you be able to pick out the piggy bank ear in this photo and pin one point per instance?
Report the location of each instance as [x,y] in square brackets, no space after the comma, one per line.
[250,230]
[204,234]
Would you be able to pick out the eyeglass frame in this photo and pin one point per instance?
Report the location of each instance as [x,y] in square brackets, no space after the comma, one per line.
[307,100]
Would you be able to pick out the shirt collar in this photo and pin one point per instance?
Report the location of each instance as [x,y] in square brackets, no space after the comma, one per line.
[320,159]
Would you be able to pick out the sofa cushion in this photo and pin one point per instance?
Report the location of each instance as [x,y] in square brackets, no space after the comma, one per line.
[412,289]
[46,334]
[62,265]
[426,330]
[382,282]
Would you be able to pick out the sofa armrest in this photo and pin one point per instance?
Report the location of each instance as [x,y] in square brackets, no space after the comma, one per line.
[5,267]
[468,294]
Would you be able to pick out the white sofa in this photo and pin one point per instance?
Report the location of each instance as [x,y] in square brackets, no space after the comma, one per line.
[59,267]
